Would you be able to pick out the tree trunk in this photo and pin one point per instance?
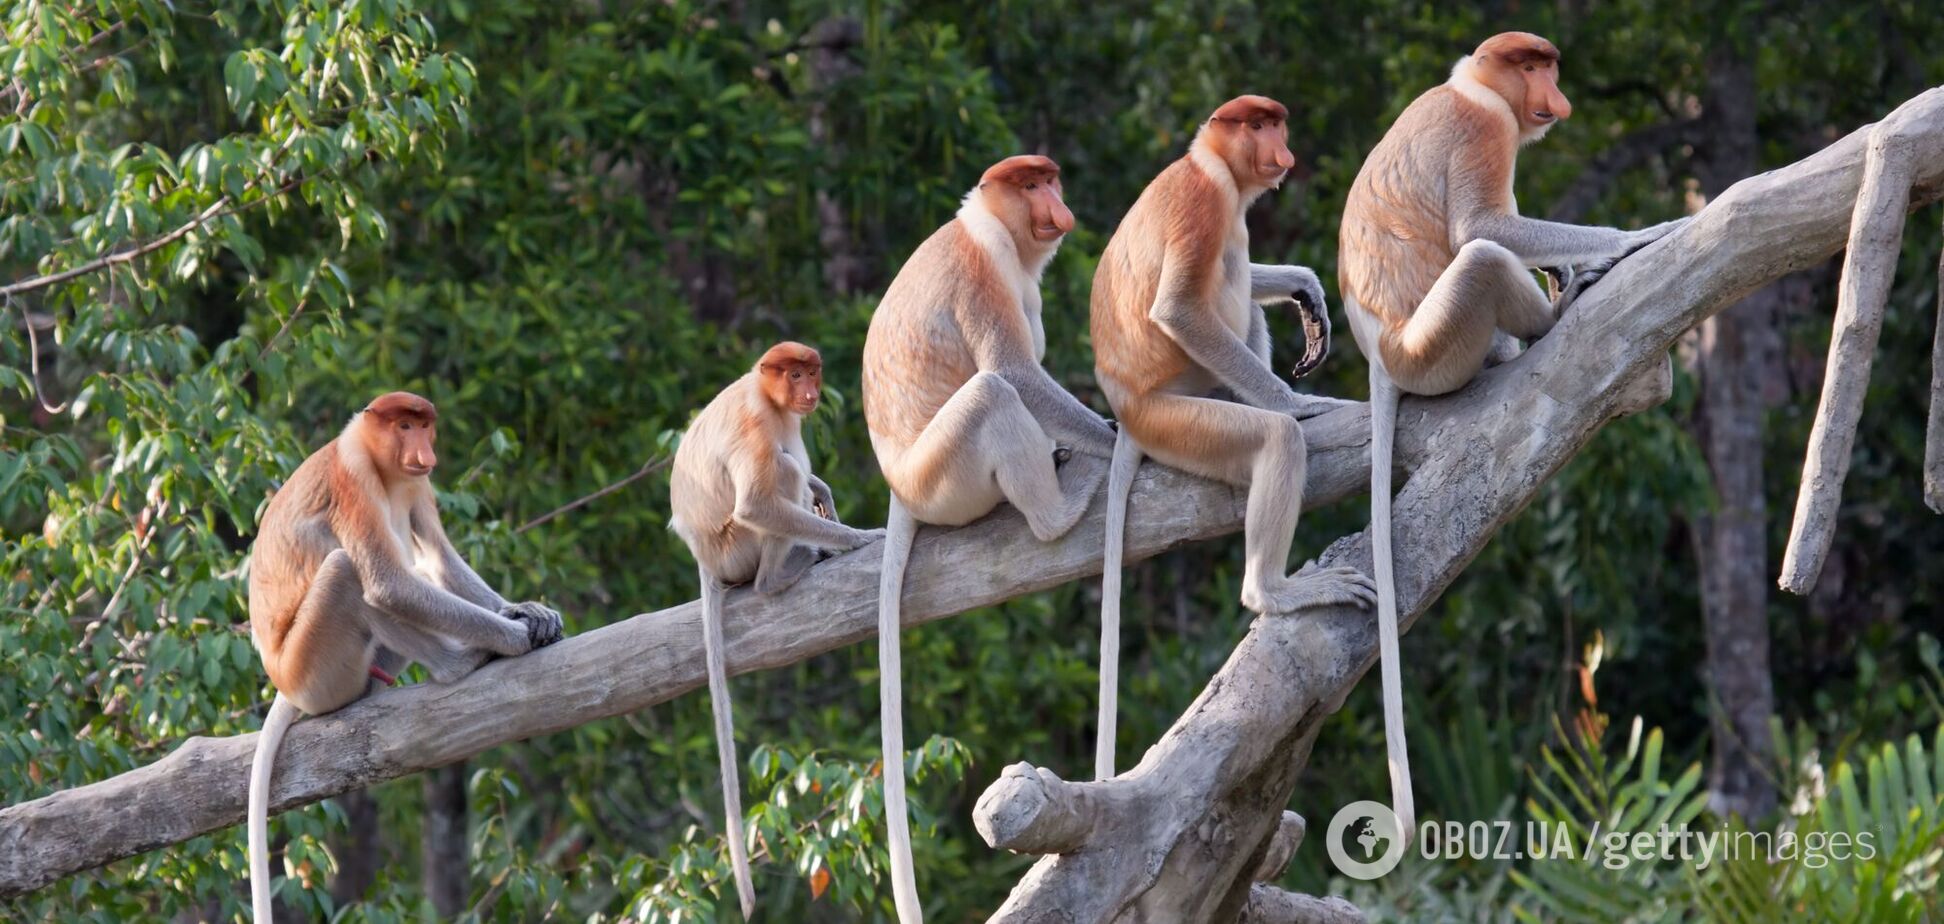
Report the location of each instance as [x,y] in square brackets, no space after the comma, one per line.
[357,847]
[443,841]
[1735,355]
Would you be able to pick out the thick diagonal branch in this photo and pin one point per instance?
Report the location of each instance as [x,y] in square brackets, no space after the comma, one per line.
[1178,837]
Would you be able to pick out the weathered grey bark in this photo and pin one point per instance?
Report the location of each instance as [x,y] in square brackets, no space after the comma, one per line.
[1479,456]
[445,857]
[1174,839]
[1934,431]
[1736,354]
[1876,231]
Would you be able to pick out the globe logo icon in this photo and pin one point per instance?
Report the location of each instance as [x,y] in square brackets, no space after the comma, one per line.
[1364,840]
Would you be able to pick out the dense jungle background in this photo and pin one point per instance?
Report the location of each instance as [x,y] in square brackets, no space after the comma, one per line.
[570,224]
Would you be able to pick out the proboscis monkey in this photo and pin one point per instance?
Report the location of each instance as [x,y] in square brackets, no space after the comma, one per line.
[963,416]
[1434,261]
[1181,349]
[352,577]
[750,510]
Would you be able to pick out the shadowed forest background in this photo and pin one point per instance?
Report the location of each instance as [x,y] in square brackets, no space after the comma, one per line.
[570,224]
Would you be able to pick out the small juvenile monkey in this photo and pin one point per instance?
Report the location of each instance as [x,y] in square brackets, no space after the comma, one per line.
[1434,261]
[352,577]
[747,505]
[1181,349]
[963,416]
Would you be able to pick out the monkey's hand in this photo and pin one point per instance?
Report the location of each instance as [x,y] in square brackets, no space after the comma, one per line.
[1314,314]
[1303,407]
[543,624]
[1650,234]
[864,537]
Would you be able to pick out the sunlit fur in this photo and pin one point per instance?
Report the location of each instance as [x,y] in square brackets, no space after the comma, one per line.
[1435,262]
[976,277]
[746,443]
[1175,276]
[743,498]
[1397,236]
[351,573]
[961,413]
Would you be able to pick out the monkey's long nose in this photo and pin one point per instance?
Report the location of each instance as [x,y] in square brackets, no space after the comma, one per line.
[1285,159]
[1558,106]
[1062,217]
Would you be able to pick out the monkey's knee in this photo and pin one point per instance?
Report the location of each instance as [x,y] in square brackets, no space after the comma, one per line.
[1483,253]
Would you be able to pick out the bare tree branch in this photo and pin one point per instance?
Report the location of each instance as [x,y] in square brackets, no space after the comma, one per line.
[1178,837]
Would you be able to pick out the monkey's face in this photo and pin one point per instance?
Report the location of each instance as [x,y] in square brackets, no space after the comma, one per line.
[1269,145]
[412,444]
[1254,139]
[795,386]
[1543,103]
[1051,218]
[1038,206]
[1524,69]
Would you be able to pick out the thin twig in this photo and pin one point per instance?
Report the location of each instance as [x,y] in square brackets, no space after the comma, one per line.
[33,361]
[218,209]
[650,467]
[302,303]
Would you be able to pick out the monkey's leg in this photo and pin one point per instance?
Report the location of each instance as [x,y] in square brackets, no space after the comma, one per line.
[1444,344]
[1264,451]
[326,658]
[985,437]
[784,562]
[334,618]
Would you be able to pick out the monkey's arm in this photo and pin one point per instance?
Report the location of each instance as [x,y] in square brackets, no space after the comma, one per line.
[394,589]
[1268,282]
[1000,344]
[1534,241]
[1180,310]
[761,506]
[1259,333]
[460,578]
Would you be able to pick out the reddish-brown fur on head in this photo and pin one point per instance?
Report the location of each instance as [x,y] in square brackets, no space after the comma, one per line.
[398,431]
[792,377]
[1251,135]
[1024,192]
[1524,69]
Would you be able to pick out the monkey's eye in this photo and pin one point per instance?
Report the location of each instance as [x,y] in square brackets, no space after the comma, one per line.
[1255,126]
[1031,186]
[1531,68]
[405,426]
[796,376]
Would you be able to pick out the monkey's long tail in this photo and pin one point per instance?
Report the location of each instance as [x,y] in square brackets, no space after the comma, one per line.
[1383,431]
[899,530]
[275,723]
[725,735]
[1120,483]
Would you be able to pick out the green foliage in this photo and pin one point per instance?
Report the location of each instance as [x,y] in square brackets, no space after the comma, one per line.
[570,224]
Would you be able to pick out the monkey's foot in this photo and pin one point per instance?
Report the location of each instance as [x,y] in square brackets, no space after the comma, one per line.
[1505,348]
[1313,587]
